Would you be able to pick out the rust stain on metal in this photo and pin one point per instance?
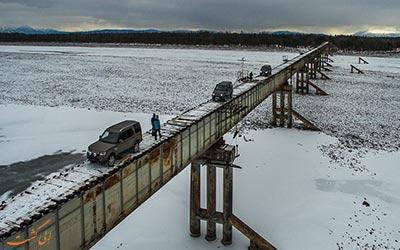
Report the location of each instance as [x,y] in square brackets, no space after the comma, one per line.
[89,196]
[168,150]
[155,185]
[154,155]
[111,181]
[142,161]
[128,170]
[98,190]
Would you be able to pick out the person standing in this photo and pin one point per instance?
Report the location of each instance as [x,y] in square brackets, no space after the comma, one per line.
[153,130]
[156,126]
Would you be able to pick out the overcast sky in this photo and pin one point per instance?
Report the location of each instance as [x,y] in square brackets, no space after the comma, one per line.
[328,16]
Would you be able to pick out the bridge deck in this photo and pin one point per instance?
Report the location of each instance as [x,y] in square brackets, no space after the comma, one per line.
[80,204]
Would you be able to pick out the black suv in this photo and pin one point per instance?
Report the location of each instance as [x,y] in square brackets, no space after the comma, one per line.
[223,91]
[266,70]
[115,140]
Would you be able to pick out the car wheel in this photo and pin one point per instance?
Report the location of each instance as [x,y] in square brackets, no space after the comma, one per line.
[111,160]
[136,147]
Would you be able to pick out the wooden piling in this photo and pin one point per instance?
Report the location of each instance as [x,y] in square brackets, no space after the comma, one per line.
[281,108]
[302,80]
[274,108]
[290,106]
[312,70]
[227,207]
[195,199]
[211,202]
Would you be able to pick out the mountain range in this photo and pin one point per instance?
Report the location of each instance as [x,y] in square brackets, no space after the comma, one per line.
[29,30]
[370,34]
[36,31]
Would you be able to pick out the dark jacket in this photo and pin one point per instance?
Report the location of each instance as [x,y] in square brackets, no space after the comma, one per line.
[156,123]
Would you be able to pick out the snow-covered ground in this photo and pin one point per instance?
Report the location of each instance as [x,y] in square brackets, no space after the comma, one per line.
[300,189]
[119,79]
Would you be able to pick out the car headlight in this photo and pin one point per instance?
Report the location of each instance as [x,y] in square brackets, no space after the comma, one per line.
[102,153]
[221,94]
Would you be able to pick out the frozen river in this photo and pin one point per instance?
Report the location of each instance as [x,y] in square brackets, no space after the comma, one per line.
[131,79]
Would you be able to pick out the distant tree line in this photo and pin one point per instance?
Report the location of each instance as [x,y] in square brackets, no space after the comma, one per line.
[213,38]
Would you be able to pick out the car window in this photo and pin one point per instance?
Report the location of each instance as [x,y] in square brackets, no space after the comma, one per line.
[124,135]
[220,87]
[137,128]
[129,133]
[109,137]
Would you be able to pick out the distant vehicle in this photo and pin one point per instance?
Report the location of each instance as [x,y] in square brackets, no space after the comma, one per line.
[115,140]
[285,59]
[223,91]
[266,70]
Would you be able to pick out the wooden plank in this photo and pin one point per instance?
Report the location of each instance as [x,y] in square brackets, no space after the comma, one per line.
[319,91]
[362,60]
[357,69]
[323,75]
[252,235]
[306,123]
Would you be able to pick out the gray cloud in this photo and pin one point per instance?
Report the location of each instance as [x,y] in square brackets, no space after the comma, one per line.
[251,15]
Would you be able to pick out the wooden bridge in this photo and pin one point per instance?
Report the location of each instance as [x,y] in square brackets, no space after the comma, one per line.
[78,206]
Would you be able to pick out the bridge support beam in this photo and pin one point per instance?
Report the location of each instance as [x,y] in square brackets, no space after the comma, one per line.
[195,199]
[312,69]
[325,60]
[228,206]
[219,156]
[211,201]
[303,78]
[317,65]
[282,113]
